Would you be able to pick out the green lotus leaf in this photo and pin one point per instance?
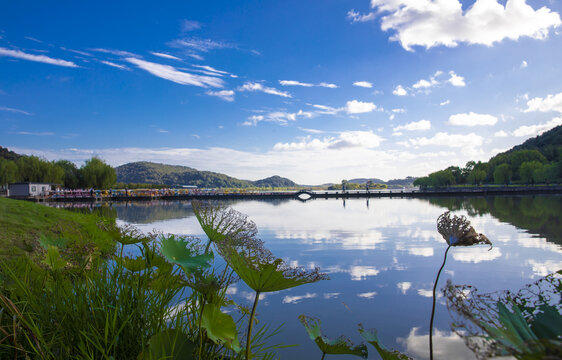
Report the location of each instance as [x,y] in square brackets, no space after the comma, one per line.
[263,273]
[220,327]
[129,235]
[179,251]
[219,222]
[339,346]
[371,337]
[168,344]
[137,264]
[53,259]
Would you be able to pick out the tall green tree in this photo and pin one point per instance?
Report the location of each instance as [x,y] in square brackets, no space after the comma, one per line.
[72,176]
[503,174]
[8,172]
[476,177]
[97,174]
[528,169]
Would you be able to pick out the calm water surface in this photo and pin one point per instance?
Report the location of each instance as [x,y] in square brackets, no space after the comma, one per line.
[382,256]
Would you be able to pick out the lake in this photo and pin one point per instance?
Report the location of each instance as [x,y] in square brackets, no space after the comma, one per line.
[382,256]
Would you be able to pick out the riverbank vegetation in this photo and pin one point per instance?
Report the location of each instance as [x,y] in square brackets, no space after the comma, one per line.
[536,161]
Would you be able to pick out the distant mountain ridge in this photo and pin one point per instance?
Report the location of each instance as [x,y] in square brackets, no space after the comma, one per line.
[408,181]
[144,172]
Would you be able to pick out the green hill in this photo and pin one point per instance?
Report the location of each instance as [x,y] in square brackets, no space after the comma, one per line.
[144,172]
[548,144]
[8,155]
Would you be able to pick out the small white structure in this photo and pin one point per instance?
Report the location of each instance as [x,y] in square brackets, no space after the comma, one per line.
[26,189]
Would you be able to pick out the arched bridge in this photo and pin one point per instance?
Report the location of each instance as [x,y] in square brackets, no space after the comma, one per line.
[304,195]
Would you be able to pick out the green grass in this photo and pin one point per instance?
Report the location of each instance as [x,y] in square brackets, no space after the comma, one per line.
[23,223]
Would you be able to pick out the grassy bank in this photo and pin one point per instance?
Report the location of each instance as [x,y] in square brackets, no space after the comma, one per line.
[23,223]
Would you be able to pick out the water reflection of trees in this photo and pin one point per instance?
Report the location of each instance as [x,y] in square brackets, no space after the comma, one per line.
[146,212]
[539,215]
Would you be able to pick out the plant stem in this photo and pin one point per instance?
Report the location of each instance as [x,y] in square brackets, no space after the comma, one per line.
[323,356]
[433,306]
[200,331]
[250,325]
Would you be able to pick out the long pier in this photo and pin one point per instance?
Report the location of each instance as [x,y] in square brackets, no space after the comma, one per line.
[303,195]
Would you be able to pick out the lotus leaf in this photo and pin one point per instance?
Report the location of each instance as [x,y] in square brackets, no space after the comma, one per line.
[220,327]
[371,337]
[339,346]
[179,251]
[169,344]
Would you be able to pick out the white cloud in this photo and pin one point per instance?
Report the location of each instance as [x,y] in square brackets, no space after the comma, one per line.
[398,110]
[346,139]
[400,91]
[425,293]
[38,58]
[15,111]
[112,64]
[472,119]
[500,133]
[211,70]
[44,133]
[450,140]
[549,103]
[354,16]
[359,107]
[447,345]
[534,130]
[189,25]
[298,83]
[298,298]
[476,254]
[404,286]
[203,45]
[227,95]
[279,117]
[170,73]
[165,56]
[422,84]
[446,102]
[115,52]
[456,80]
[254,86]
[367,295]
[443,22]
[415,125]
[523,64]
[364,84]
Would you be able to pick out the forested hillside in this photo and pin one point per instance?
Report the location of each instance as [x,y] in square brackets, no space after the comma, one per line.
[152,173]
[537,160]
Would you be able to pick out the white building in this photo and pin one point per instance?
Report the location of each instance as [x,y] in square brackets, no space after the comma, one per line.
[26,189]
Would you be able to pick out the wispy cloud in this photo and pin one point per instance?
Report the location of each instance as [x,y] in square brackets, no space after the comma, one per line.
[298,83]
[33,39]
[46,133]
[255,86]
[354,16]
[170,73]
[38,58]
[364,84]
[345,139]
[15,111]
[115,52]
[203,45]
[112,64]
[279,117]
[189,25]
[227,95]
[164,55]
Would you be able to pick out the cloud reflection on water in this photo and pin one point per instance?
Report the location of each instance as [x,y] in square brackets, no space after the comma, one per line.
[446,345]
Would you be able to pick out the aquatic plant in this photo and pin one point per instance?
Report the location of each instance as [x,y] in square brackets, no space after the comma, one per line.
[235,238]
[372,338]
[456,231]
[525,324]
[340,346]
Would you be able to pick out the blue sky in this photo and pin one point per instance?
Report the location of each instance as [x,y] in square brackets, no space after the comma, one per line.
[317,91]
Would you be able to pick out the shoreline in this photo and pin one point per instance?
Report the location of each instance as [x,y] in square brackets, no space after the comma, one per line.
[305,195]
